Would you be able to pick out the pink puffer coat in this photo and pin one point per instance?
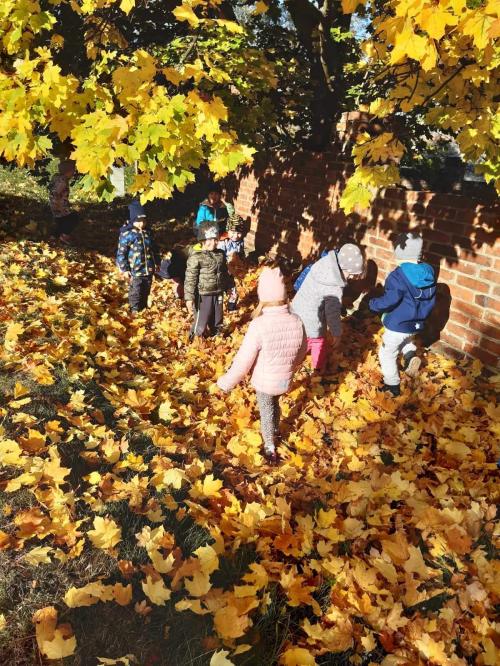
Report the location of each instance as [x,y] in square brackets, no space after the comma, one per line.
[274,346]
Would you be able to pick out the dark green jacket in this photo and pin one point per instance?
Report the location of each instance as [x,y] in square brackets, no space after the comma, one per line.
[206,273]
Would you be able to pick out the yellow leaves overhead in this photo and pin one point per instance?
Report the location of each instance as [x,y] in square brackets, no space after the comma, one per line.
[437,58]
[408,44]
[119,113]
[185,12]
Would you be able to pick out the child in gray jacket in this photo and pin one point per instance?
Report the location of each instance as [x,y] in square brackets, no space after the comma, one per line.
[318,302]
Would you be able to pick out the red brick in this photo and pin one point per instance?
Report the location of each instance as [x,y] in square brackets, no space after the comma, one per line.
[441,213]
[384,254]
[491,332]
[486,357]
[476,257]
[487,302]
[473,284]
[490,276]
[466,268]
[437,236]
[463,333]
[463,294]
[453,340]
[493,318]
[446,275]
[491,346]
[459,317]
[451,226]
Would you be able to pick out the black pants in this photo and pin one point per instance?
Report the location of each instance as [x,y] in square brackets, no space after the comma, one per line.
[66,224]
[209,314]
[138,292]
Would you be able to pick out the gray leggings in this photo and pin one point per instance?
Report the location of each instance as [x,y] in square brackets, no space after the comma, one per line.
[269,407]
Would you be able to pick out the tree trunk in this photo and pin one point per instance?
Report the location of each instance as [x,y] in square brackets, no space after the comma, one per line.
[326,63]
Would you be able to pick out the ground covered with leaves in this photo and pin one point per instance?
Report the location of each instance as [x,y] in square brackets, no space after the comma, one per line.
[140,523]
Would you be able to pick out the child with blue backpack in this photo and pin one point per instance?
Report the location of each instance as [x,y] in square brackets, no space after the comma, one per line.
[408,300]
[318,301]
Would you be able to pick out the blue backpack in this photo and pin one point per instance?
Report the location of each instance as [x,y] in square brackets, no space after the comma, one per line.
[298,282]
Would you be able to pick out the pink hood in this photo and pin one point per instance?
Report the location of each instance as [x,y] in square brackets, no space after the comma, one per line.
[274,345]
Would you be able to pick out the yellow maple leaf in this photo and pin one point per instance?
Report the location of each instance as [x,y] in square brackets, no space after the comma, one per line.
[88,595]
[209,487]
[42,375]
[208,559]
[156,591]
[219,658]
[478,26]
[297,656]
[416,564]
[174,477]
[127,5]
[185,13]
[260,8]
[38,555]
[408,44]
[106,533]
[60,646]
[229,624]
[11,453]
[14,330]
[53,642]
[198,585]
[432,650]
[434,21]
[122,594]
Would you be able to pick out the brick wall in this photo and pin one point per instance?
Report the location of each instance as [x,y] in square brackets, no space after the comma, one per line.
[292,204]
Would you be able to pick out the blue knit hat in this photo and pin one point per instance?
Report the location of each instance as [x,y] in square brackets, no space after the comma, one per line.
[135,211]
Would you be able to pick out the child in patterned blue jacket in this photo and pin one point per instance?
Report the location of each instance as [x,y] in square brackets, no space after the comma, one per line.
[137,257]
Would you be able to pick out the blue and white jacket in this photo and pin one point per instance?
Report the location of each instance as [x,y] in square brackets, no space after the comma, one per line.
[409,297]
[137,252]
[230,247]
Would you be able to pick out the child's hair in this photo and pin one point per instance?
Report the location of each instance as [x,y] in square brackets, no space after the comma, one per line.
[269,304]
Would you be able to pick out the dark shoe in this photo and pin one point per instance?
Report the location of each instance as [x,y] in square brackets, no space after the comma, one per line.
[232,307]
[411,364]
[271,457]
[394,389]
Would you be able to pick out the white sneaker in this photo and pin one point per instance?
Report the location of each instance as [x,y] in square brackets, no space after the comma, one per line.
[413,366]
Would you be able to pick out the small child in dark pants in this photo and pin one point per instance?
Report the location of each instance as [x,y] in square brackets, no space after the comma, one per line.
[65,219]
[207,279]
[173,267]
[137,257]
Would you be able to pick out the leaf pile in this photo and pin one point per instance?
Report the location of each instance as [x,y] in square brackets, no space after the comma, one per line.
[374,537]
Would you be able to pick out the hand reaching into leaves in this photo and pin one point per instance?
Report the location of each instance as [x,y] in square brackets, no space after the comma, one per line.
[190,306]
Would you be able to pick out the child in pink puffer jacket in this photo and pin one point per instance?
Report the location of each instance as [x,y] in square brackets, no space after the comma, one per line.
[274,346]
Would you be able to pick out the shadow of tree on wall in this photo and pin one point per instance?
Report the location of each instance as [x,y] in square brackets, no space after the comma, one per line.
[296,214]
